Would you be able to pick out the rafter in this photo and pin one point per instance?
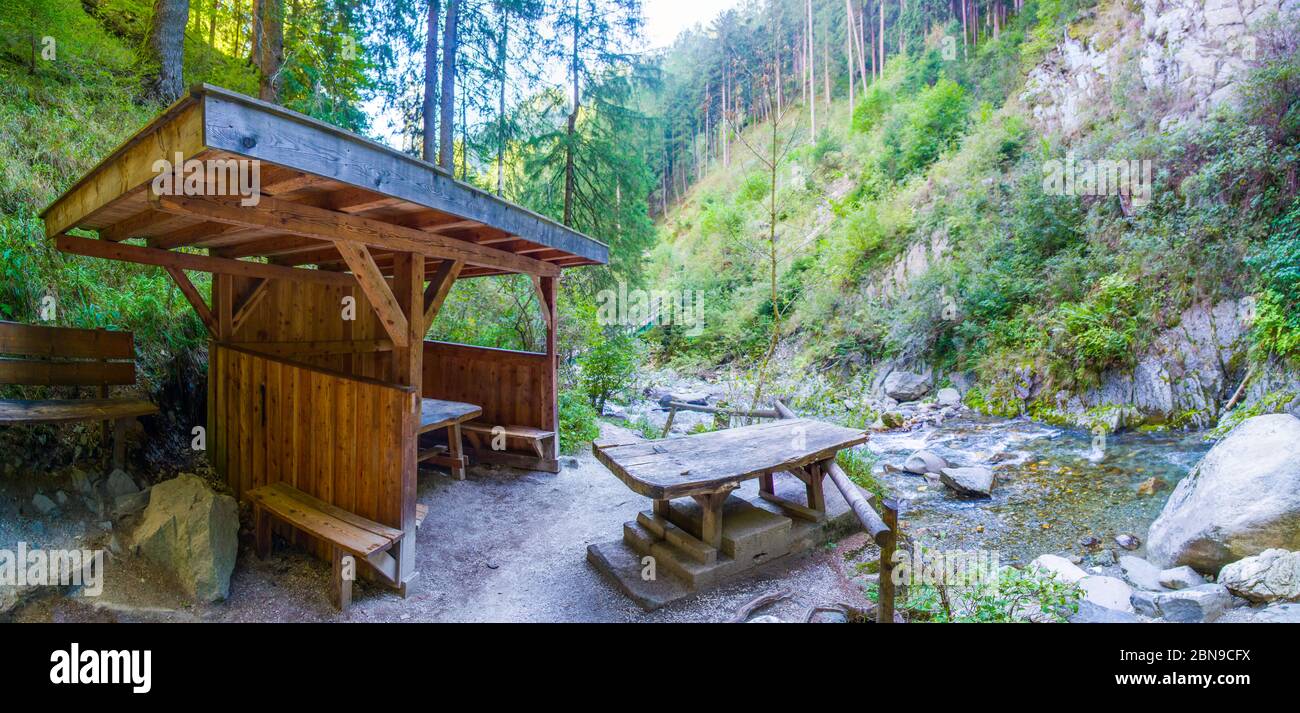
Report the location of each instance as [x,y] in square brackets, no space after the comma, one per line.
[377,291]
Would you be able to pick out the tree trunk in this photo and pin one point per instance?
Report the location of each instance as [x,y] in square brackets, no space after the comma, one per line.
[812,77]
[447,119]
[570,167]
[166,50]
[270,49]
[431,82]
[503,53]
[881,38]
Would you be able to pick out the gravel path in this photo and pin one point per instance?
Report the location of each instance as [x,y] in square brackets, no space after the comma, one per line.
[504,545]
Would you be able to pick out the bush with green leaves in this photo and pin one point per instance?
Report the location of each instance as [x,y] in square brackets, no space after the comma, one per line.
[578,425]
[1277,307]
[1100,332]
[609,368]
[1017,596]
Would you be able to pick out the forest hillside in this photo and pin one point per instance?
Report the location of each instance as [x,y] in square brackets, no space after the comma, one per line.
[1090,216]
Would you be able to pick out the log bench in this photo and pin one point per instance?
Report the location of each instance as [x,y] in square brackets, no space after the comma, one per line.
[33,355]
[348,534]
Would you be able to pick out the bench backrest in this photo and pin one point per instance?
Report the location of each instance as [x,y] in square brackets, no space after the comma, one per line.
[58,356]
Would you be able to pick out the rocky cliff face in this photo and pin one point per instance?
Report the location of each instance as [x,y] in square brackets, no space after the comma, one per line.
[1190,54]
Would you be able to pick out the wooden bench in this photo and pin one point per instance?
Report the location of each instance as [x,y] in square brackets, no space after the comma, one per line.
[536,438]
[348,534]
[56,356]
[437,414]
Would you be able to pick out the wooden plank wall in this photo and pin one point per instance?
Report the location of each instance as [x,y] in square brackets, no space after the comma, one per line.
[512,387]
[300,312]
[328,434]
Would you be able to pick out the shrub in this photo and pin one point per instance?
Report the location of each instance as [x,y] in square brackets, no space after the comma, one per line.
[1277,313]
[1101,331]
[577,422]
[609,367]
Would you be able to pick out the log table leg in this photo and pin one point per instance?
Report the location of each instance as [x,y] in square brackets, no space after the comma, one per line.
[456,451]
[119,442]
[815,483]
[711,516]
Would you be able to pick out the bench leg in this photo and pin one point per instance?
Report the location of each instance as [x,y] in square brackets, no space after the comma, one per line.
[341,581]
[711,517]
[816,494]
[262,531]
[119,442]
[456,451]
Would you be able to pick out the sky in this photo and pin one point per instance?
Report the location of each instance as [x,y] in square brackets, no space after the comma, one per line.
[665,19]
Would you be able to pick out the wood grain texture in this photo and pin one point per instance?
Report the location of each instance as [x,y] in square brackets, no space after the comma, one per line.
[69,410]
[707,462]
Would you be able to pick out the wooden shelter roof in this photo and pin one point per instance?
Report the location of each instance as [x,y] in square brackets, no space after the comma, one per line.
[324,192]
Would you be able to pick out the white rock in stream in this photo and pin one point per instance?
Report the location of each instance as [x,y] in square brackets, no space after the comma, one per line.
[1270,576]
[1185,606]
[922,462]
[1181,578]
[1107,592]
[1141,573]
[969,482]
[948,397]
[1063,569]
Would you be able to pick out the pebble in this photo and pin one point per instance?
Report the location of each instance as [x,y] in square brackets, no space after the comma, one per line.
[1128,542]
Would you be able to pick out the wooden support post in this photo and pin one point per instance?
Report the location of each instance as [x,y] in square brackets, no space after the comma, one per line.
[341,586]
[550,386]
[885,607]
[262,531]
[223,301]
[119,442]
[816,494]
[408,359]
[711,517]
[195,299]
[455,451]
[767,483]
[668,425]
[662,508]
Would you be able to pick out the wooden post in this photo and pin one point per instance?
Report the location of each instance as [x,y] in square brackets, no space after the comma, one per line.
[224,303]
[885,607]
[551,394]
[341,586]
[668,425]
[816,495]
[119,442]
[262,530]
[408,361]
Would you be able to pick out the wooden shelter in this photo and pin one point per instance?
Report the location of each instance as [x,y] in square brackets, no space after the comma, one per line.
[298,393]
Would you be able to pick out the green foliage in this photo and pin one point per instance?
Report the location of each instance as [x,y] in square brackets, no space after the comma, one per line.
[578,425]
[1277,307]
[914,139]
[609,367]
[754,188]
[1017,596]
[858,464]
[871,107]
[1099,332]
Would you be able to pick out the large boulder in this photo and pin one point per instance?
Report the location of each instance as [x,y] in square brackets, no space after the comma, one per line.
[975,482]
[922,462]
[1241,499]
[193,533]
[948,397]
[1270,576]
[906,386]
[1196,605]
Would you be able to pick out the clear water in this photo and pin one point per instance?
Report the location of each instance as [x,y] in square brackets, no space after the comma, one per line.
[1053,490]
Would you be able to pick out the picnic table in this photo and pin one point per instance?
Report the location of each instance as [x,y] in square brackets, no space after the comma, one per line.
[708,466]
[436,414]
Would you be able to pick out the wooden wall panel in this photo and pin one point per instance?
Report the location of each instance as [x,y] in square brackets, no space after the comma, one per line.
[509,386]
[327,434]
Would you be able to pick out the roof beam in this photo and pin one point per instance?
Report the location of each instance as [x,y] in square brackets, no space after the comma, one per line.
[199,263]
[439,287]
[377,291]
[196,300]
[341,228]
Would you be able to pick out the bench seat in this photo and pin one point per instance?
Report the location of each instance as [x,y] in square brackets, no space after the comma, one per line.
[72,410]
[347,533]
[534,436]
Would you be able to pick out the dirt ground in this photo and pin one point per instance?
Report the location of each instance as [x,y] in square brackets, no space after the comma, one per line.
[502,546]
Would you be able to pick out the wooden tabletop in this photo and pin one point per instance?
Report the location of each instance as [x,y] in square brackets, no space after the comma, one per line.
[708,462]
[435,414]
